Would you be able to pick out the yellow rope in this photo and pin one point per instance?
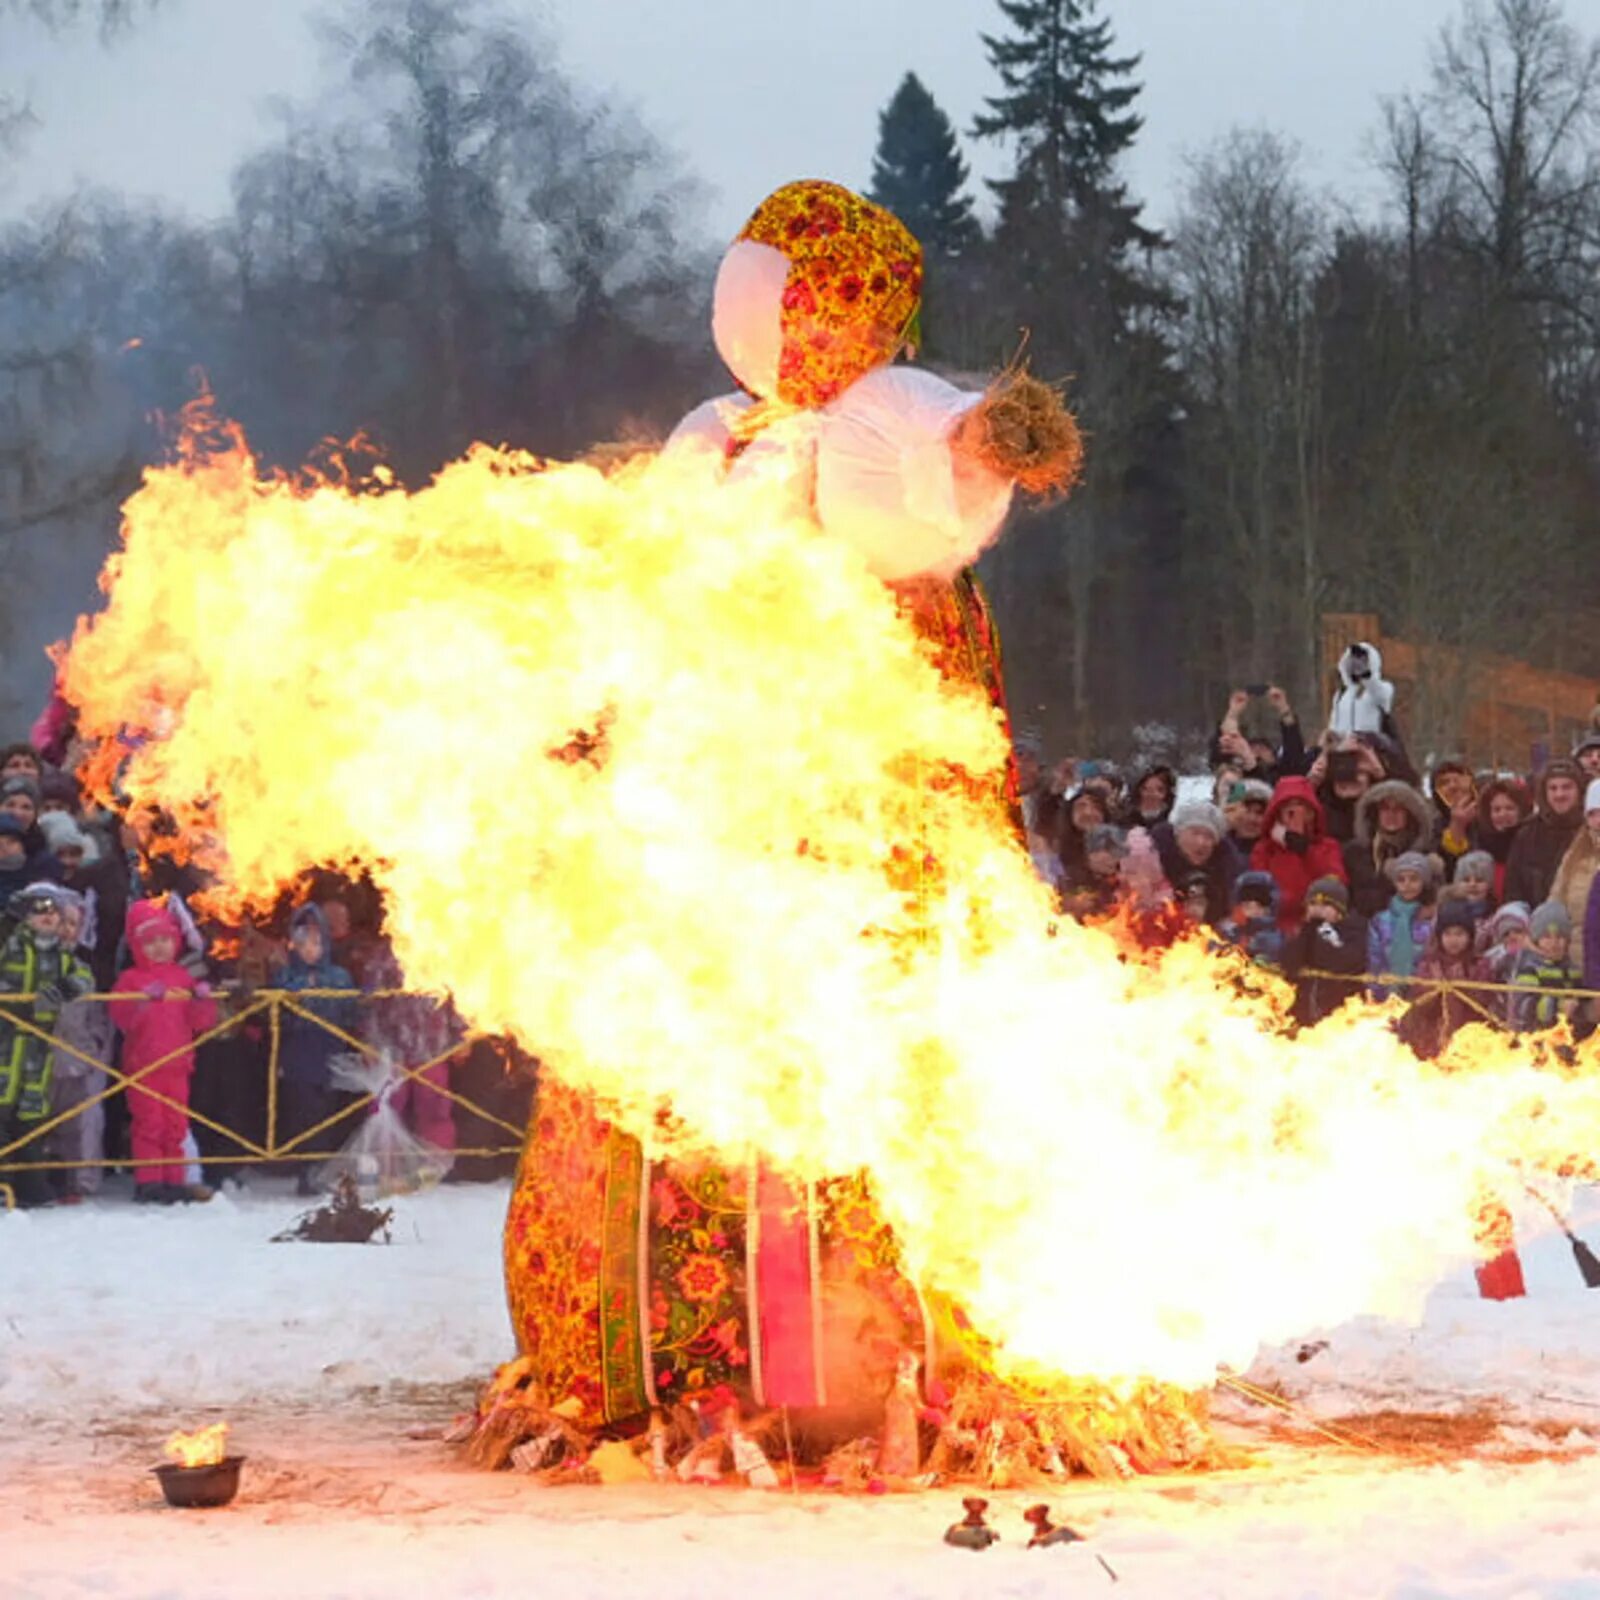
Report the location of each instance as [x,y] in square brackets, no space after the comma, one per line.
[124,1081]
[273,1001]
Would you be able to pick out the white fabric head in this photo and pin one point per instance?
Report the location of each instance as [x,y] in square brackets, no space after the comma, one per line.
[747,314]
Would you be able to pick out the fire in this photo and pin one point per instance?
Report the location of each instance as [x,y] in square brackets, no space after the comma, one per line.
[202,1449]
[629,758]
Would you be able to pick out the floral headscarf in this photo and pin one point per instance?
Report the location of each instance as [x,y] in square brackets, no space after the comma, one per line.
[853,292]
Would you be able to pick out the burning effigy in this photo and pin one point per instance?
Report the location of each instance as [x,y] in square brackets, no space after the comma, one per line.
[690,773]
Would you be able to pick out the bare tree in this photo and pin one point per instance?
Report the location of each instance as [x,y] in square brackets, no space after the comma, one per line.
[1246,255]
[1516,97]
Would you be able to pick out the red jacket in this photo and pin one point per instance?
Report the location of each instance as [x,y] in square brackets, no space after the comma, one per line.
[1293,870]
[156,1027]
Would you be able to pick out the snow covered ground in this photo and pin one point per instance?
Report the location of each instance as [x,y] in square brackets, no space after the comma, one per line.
[339,1365]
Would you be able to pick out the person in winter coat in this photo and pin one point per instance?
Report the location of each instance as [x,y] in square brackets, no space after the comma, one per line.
[1455,804]
[1398,935]
[79,1071]
[36,960]
[1190,851]
[1295,849]
[19,797]
[1544,839]
[1392,819]
[1245,811]
[1586,752]
[159,1009]
[1092,889]
[414,1030]
[1577,872]
[1545,967]
[1342,773]
[1503,807]
[1332,940]
[1252,925]
[1504,937]
[102,885]
[1155,791]
[306,1049]
[1266,759]
[1365,701]
[13,857]
[1435,1018]
[1474,884]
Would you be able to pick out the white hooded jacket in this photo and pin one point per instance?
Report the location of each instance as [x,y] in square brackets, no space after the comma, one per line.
[1360,706]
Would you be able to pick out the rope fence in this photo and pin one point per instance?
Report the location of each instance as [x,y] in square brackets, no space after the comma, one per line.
[273,1149]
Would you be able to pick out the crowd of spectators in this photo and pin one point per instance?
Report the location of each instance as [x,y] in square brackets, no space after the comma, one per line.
[1474,894]
[106,929]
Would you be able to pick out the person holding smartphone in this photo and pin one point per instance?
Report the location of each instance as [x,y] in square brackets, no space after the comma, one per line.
[1258,757]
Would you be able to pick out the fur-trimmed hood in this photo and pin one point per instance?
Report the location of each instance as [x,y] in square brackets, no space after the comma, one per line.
[1404,794]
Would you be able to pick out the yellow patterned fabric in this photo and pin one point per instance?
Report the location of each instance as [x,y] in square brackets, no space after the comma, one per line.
[853,292]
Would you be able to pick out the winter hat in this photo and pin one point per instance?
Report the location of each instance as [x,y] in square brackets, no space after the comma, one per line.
[1551,917]
[1411,861]
[1476,864]
[15,826]
[1511,916]
[1261,888]
[18,783]
[1559,767]
[1105,838]
[1591,800]
[1329,891]
[1456,914]
[1250,790]
[60,786]
[1199,814]
[62,833]
[37,897]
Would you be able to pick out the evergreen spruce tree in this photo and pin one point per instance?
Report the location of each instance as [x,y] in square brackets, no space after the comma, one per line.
[1068,105]
[1072,264]
[918,172]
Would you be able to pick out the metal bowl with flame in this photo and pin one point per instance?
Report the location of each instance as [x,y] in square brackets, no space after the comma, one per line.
[201,1472]
[214,1484]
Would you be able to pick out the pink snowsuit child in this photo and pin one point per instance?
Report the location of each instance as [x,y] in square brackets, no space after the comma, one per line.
[162,1025]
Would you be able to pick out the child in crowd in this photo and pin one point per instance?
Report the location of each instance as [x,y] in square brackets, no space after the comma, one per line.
[1252,925]
[36,960]
[1399,934]
[1503,938]
[1474,883]
[160,1010]
[1328,957]
[1092,885]
[80,1071]
[1451,957]
[14,876]
[1544,966]
[307,1049]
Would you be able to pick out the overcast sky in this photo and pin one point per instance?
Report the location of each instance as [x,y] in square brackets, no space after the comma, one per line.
[750,92]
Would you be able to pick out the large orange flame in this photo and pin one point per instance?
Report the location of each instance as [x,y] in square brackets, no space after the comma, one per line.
[628,760]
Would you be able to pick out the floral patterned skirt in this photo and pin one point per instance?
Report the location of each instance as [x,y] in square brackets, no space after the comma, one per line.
[636,1283]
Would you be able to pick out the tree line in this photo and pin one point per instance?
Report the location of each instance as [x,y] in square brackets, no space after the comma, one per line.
[1291,408]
